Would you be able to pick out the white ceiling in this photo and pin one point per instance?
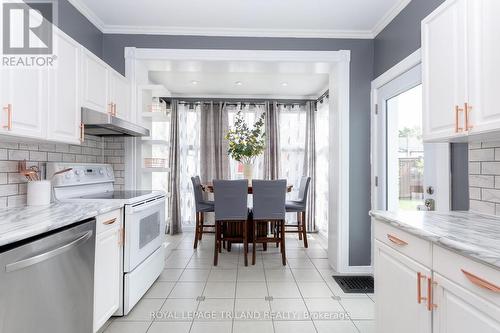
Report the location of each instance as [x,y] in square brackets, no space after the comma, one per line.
[273,18]
[258,79]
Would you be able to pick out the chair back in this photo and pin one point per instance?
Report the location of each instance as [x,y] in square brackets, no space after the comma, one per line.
[303,189]
[198,192]
[269,199]
[231,200]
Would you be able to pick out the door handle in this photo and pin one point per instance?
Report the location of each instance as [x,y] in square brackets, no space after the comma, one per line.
[49,254]
[396,240]
[467,109]
[108,222]
[458,128]
[8,109]
[480,282]
[82,132]
[430,305]
[420,277]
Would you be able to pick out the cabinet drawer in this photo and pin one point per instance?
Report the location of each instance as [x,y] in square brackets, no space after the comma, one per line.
[416,248]
[470,274]
[108,221]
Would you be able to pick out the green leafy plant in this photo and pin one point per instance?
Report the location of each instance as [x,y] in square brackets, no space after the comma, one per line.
[246,143]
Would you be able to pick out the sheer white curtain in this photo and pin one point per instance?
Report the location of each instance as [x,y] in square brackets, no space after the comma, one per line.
[322,143]
[189,159]
[251,112]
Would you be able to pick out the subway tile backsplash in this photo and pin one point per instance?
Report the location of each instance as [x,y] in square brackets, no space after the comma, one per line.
[484,177]
[93,150]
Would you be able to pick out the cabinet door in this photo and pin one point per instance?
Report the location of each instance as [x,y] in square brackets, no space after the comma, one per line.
[120,95]
[107,276]
[95,82]
[396,284]
[64,86]
[461,311]
[444,69]
[484,65]
[23,96]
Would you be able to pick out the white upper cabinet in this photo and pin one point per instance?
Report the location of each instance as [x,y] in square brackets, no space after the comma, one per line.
[64,98]
[460,53]
[443,70]
[484,65]
[94,83]
[23,97]
[119,95]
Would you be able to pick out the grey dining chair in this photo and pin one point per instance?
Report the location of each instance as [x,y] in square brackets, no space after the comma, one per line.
[202,206]
[231,214]
[299,206]
[269,208]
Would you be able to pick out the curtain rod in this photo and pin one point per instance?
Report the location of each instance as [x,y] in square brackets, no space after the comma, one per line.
[236,100]
[325,94]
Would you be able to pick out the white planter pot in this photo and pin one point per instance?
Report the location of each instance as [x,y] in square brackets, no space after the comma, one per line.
[248,171]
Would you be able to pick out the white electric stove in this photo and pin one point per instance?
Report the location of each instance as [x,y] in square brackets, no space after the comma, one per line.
[143,222]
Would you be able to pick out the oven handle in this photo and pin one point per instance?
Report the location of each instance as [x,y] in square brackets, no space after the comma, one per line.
[143,207]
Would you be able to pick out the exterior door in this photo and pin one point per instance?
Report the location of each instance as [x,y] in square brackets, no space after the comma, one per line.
[407,171]
[396,292]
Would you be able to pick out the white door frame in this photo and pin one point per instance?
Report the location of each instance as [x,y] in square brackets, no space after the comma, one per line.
[402,67]
[339,83]
[440,152]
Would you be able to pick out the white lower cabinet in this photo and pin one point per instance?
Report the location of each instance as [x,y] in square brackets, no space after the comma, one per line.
[107,272]
[455,295]
[397,288]
[462,311]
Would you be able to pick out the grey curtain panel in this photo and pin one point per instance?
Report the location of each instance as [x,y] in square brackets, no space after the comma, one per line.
[310,164]
[272,154]
[174,204]
[214,161]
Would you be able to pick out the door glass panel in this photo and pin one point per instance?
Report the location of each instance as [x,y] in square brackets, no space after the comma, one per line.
[405,150]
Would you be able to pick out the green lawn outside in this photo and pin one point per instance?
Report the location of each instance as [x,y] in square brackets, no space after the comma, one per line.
[408,204]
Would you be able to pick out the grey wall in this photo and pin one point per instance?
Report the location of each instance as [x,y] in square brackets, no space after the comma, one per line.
[402,36]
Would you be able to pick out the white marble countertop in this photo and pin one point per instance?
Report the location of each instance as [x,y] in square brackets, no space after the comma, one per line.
[470,234]
[23,222]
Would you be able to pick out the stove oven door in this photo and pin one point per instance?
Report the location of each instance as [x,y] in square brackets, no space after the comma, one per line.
[144,231]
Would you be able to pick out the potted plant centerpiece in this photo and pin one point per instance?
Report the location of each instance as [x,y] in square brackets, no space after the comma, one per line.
[246,143]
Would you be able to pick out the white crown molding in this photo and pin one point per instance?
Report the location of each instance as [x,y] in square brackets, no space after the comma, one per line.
[388,17]
[88,13]
[237,32]
[240,32]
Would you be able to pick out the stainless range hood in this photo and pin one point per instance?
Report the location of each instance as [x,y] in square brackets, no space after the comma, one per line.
[104,124]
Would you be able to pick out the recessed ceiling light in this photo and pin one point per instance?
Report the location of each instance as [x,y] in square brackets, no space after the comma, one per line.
[284,84]
[194,82]
[238,83]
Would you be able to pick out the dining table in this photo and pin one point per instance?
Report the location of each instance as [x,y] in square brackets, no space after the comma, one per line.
[209,188]
[262,230]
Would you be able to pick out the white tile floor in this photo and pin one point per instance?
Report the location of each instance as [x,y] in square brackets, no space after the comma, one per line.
[192,295]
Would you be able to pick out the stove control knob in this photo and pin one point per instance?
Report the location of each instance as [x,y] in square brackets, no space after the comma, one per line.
[101,171]
[78,172]
[68,175]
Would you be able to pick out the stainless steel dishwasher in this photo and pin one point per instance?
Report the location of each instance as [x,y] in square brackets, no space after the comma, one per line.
[46,283]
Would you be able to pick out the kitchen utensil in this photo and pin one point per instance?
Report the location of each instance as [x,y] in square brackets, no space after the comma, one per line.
[60,172]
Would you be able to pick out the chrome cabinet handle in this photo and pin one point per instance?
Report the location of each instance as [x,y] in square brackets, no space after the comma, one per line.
[47,255]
